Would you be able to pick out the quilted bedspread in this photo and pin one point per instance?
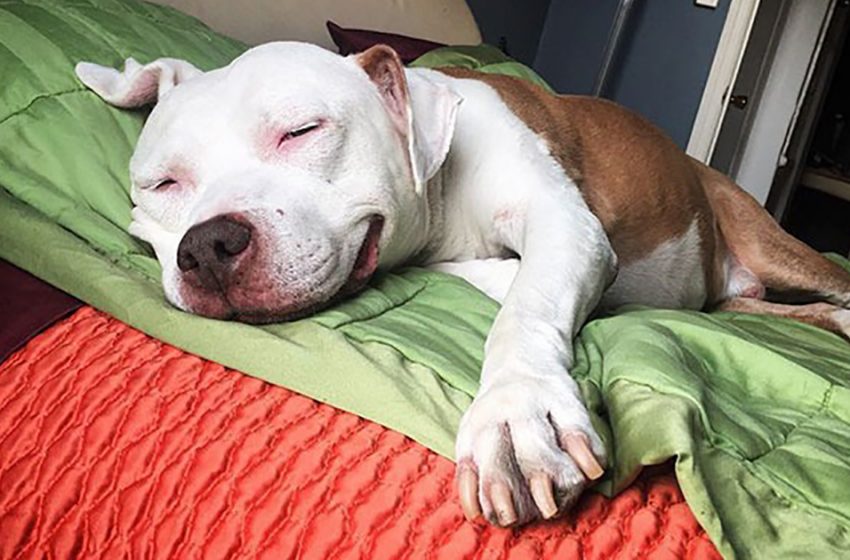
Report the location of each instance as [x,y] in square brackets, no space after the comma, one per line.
[115,444]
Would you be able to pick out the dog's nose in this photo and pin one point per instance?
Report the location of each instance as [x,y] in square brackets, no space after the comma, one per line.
[209,248]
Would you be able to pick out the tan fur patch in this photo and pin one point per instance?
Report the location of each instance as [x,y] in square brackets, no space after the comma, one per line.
[646,191]
[639,184]
[822,315]
[780,261]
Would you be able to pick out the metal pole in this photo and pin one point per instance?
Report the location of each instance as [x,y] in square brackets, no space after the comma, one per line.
[615,37]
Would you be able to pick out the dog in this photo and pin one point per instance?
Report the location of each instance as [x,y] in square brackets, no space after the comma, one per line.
[278,184]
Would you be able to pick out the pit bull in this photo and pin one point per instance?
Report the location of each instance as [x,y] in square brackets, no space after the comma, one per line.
[278,184]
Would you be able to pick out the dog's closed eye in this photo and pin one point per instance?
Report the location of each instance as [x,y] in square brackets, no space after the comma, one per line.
[300,131]
[164,184]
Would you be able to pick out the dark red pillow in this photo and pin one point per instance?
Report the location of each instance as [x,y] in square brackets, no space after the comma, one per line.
[350,41]
[27,306]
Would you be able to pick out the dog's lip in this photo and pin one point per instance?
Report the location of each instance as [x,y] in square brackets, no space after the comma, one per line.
[364,267]
[367,258]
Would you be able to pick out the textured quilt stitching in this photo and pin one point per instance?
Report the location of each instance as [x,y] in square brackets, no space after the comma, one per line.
[396,497]
[220,476]
[281,479]
[393,307]
[358,428]
[38,98]
[108,372]
[146,15]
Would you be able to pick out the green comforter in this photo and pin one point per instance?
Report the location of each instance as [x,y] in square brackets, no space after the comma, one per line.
[756,411]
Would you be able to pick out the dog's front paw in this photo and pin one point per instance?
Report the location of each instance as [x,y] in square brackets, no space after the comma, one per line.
[526,450]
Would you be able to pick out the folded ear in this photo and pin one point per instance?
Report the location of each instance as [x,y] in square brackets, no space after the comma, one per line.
[423,111]
[137,85]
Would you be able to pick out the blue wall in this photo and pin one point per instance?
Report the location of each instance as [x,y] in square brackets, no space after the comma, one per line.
[665,56]
[519,23]
[573,42]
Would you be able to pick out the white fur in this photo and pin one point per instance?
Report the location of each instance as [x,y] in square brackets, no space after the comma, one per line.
[136,84]
[491,191]
[511,433]
[215,132]
[492,276]
[842,317]
[671,276]
[741,281]
[503,192]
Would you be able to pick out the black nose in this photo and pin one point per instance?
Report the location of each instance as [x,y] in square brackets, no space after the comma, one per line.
[210,247]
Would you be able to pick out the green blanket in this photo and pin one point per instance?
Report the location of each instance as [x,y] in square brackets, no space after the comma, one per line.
[756,411]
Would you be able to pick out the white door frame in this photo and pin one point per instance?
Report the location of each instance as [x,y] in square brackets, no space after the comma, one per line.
[721,77]
[775,115]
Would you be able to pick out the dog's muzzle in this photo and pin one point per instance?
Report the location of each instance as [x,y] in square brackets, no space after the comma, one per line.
[227,273]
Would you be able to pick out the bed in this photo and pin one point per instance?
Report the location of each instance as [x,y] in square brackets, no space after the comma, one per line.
[115,444]
[122,435]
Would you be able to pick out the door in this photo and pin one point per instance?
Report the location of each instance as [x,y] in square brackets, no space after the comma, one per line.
[747,137]
[792,165]
[748,86]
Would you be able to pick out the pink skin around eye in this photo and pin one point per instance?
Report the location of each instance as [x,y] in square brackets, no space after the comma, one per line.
[291,140]
[178,177]
[165,185]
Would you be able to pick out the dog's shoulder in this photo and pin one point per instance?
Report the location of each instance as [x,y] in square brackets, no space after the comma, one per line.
[542,111]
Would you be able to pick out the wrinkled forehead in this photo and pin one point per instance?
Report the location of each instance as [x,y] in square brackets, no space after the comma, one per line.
[270,83]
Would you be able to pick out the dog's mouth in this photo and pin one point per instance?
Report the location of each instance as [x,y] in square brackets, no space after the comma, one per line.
[367,258]
[364,268]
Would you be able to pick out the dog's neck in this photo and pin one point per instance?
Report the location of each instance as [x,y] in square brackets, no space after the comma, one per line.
[414,235]
[452,219]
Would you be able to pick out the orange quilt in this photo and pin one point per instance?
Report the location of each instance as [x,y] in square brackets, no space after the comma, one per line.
[113,444]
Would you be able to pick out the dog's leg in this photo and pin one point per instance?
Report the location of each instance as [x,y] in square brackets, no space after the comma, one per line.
[492,276]
[780,262]
[526,447]
[824,315]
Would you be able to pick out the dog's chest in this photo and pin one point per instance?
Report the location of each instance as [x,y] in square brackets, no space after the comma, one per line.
[495,167]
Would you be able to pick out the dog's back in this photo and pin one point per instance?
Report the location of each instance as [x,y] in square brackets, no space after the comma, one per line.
[685,235]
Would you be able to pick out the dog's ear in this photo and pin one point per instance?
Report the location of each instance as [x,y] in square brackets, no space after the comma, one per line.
[425,116]
[137,85]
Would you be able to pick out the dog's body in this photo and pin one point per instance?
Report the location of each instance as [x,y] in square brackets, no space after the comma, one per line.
[324,168]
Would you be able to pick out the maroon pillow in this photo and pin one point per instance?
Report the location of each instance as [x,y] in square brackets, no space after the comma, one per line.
[350,41]
[27,306]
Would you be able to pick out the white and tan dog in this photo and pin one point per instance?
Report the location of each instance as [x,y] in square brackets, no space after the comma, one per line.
[281,182]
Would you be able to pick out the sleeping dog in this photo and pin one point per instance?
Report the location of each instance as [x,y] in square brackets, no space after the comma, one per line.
[280,183]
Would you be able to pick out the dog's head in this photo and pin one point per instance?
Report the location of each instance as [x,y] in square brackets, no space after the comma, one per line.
[272,186]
